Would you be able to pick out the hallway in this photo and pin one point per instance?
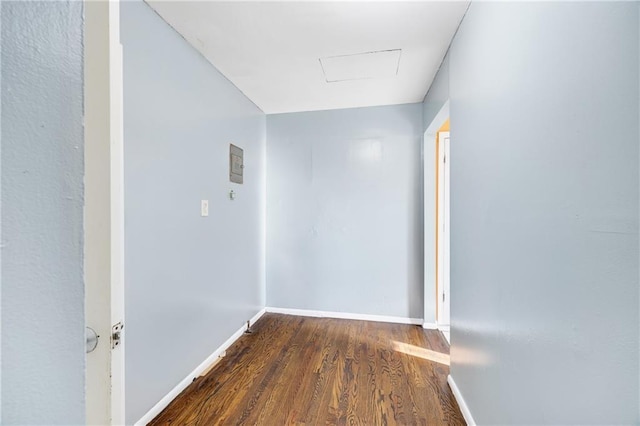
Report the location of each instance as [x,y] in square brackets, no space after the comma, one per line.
[347,180]
[300,370]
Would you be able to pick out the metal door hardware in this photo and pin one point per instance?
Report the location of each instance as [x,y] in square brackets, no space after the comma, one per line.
[116,335]
[92,339]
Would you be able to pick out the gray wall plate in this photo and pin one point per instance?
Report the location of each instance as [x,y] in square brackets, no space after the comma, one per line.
[236,163]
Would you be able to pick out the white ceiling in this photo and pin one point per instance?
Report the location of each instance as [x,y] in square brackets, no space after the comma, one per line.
[306,56]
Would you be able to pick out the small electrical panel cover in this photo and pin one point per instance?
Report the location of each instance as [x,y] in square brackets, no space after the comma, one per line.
[236,163]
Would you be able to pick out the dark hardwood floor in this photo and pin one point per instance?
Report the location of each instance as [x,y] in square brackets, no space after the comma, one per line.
[310,371]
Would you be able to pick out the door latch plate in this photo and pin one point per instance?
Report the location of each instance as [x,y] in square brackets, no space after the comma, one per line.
[116,335]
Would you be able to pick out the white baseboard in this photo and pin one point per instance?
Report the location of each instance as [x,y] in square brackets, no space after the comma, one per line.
[446,332]
[430,325]
[166,400]
[464,408]
[344,315]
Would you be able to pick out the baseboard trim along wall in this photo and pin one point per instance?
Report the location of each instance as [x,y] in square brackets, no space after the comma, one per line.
[461,402]
[430,325]
[345,315]
[166,400]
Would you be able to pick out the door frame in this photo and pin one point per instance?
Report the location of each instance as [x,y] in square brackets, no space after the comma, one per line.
[430,191]
[443,235]
[104,209]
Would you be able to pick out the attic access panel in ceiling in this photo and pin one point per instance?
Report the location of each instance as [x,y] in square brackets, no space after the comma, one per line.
[278,68]
[361,66]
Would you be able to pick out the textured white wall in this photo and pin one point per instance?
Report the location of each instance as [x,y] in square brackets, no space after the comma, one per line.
[42,202]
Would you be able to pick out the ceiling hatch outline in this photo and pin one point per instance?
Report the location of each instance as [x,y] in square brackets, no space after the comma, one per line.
[361,66]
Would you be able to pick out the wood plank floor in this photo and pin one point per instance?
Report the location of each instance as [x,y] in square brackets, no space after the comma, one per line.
[309,371]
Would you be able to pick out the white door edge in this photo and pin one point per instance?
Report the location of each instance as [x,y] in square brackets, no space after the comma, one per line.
[104,210]
[117,213]
[443,229]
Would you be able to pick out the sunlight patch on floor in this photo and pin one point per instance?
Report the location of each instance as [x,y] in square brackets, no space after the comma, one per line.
[419,352]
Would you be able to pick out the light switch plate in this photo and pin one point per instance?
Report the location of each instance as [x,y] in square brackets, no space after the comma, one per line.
[204,208]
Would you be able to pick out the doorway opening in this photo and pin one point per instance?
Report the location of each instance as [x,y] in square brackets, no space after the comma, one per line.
[436,223]
[442,232]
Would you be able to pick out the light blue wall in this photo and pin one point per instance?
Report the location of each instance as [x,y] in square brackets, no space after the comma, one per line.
[437,95]
[434,101]
[344,211]
[42,207]
[191,281]
[544,204]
